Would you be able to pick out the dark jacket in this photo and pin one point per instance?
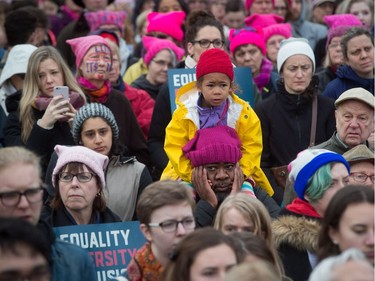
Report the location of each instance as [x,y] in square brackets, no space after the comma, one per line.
[41,141]
[294,236]
[325,76]
[142,83]
[347,79]
[61,217]
[205,214]
[286,125]
[69,262]
[131,134]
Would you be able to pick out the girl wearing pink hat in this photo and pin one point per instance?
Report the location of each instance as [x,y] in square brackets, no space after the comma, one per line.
[93,63]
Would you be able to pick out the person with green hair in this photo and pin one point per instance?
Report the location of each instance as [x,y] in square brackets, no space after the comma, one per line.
[316,175]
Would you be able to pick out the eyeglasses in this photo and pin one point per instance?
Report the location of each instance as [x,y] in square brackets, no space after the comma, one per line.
[171,225]
[163,63]
[334,45]
[81,177]
[41,273]
[12,198]
[205,43]
[362,177]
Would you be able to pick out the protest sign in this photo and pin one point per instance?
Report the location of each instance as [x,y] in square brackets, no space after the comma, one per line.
[182,76]
[111,245]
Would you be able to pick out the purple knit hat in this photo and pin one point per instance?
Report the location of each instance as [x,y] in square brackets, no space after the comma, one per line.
[283,29]
[339,24]
[244,36]
[81,45]
[167,23]
[97,19]
[67,154]
[154,45]
[213,145]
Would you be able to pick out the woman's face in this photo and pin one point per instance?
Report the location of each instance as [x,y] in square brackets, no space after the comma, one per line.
[360,56]
[96,134]
[96,64]
[164,242]
[78,196]
[234,221]
[115,69]
[280,8]
[340,178]
[50,76]
[363,12]
[356,229]
[249,55]
[166,6]
[336,57]
[297,72]
[273,46]
[212,264]
[158,68]
[210,33]
[261,7]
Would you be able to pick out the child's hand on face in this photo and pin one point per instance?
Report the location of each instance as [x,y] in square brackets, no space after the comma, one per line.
[203,186]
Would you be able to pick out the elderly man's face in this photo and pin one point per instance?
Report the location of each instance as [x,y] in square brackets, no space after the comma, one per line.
[221,176]
[354,122]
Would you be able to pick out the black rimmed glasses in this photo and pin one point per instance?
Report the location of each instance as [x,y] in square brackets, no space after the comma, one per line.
[362,177]
[81,177]
[13,198]
[205,43]
[171,225]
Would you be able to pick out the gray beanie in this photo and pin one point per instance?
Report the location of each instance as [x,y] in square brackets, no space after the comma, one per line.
[90,110]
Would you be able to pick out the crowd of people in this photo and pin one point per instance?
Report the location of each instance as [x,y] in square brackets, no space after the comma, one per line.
[278,189]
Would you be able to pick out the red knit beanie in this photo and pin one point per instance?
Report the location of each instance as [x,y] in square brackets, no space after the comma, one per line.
[213,145]
[214,60]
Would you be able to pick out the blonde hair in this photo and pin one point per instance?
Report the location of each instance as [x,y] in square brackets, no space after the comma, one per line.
[32,85]
[252,209]
[18,154]
[256,271]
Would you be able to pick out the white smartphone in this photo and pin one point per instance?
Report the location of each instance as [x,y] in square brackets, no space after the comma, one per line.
[61,90]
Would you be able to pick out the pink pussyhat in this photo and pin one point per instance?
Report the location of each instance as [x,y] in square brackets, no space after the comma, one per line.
[339,24]
[244,36]
[263,20]
[154,45]
[167,23]
[283,29]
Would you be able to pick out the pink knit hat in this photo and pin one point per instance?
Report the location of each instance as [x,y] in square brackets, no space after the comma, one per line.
[283,29]
[168,23]
[97,19]
[214,60]
[81,45]
[339,24]
[244,36]
[213,145]
[263,20]
[154,45]
[249,3]
[67,154]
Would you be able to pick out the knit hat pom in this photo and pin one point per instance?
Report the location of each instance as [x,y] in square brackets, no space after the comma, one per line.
[80,154]
[283,29]
[81,45]
[154,45]
[214,60]
[244,36]
[307,163]
[91,110]
[213,145]
[97,19]
[167,23]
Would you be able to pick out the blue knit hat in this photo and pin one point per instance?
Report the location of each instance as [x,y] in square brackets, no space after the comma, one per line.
[307,163]
[90,110]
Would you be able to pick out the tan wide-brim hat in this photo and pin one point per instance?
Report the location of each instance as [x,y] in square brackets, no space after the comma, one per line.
[359,153]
